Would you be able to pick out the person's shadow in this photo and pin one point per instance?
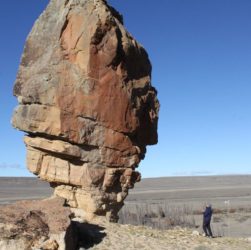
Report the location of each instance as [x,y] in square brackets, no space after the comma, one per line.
[83,235]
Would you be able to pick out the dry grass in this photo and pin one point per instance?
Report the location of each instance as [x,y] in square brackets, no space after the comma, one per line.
[160,215]
[168,216]
[243,218]
[226,211]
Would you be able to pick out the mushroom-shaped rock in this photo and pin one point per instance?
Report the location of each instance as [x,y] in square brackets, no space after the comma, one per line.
[86,103]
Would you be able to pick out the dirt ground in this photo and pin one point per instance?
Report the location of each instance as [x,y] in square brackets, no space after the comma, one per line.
[130,237]
[14,189]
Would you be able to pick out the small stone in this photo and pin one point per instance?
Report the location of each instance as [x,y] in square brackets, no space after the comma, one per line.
[195,233]
[50,245]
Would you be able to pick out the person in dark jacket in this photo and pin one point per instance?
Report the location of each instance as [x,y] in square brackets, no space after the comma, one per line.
[207,215]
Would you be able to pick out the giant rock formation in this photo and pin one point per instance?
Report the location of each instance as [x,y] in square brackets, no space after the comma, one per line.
[86,104]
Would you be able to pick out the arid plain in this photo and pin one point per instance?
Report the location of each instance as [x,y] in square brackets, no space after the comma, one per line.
[168,201]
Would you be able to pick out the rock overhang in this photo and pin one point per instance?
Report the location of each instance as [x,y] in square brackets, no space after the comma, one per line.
[86,103]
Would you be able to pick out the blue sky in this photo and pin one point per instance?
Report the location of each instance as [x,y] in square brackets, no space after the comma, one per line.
[201,57]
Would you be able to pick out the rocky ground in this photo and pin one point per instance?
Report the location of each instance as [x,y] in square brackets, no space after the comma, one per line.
[34,224]
[48,225]
[137,237]
[18,226]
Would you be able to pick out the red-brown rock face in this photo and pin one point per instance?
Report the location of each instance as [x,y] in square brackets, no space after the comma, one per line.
[86,103]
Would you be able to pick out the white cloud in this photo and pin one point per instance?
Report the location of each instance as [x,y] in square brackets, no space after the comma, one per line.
[4,165]
[193,173]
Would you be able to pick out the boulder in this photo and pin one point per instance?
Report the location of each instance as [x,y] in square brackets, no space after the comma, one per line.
[29,225]
[86,103]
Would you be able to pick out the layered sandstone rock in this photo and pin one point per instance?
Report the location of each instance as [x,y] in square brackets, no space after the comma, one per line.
[86,103]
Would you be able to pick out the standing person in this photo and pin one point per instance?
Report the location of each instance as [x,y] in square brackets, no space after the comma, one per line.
[207,215]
